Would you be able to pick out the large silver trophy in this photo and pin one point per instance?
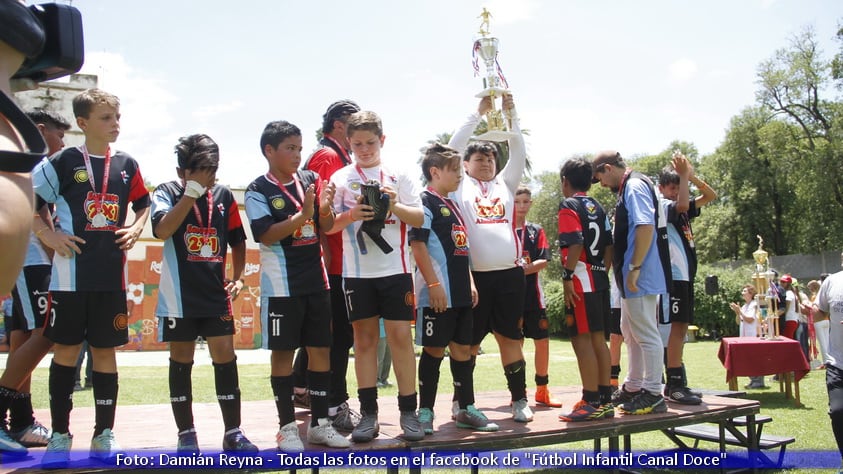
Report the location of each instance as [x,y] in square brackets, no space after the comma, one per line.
[494,83]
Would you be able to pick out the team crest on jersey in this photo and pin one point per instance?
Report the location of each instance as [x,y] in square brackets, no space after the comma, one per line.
[221,208]
[80,176]
[195,239]
[489,211]
[444,211]
[278,203]
[460,238]
[110,210]
[355,186]
[590,207]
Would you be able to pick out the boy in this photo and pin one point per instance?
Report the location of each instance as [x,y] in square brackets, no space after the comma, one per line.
[198,220]
[376,270]
[91,187]
[535,252]
[680,210]
[585,238]
[445,291]
[487,201]
[286,220]
[25,326]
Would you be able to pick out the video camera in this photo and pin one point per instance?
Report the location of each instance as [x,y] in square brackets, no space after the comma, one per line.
[64,51]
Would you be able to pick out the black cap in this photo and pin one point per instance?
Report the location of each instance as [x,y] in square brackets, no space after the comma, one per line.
[336,111]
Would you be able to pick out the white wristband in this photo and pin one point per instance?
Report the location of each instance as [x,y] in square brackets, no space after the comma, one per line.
[193,189]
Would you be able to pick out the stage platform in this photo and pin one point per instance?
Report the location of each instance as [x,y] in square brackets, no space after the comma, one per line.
[151,427]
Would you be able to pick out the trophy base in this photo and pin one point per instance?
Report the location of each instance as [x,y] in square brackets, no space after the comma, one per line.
[498,91]
[495,136]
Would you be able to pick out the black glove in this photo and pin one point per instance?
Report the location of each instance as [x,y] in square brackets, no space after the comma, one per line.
[372,196]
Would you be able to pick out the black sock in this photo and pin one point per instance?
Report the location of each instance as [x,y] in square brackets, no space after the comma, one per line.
[674,377]
[282,388]
[592,398]
[20,412]
[227,384]
[616,372]
[408,402]
[181,394]
[428,379]
[368,400]
[463,376]
[61,396]
[516,379]
[542,380]
[318,384]
[7,397]
[105,399]
[473,361]
[605,392]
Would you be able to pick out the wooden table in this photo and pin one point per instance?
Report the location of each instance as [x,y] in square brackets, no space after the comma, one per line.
[753,357]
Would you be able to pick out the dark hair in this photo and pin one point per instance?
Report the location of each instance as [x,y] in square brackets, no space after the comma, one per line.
[339,110]
[523,190]
[577,171]
[275,132]
[668,175]
[439,156]
[49,118]
[198,151]
[365,120]
[484,148]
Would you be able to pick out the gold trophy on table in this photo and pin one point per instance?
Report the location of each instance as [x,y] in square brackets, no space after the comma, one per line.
[494,83]
[767,303]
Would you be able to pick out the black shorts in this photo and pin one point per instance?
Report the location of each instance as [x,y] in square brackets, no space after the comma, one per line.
[535,324]
[612,324]
[390,297]
[501,304]
[188,329]
[99,317]
[290,322]
[681,305]
[588,315]
[440,329]
[30,299]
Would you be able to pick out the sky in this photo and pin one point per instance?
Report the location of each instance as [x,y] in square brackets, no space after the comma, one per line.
[585,75]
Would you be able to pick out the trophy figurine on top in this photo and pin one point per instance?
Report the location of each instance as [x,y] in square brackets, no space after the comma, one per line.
[494,83]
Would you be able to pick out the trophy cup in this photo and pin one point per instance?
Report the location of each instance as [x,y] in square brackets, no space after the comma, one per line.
[763,281]
[494,83]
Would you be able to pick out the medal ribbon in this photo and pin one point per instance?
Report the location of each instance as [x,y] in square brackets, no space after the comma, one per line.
[448,203]
[98,197]
[363,175]
[206,231]
[346,160]
[272,179]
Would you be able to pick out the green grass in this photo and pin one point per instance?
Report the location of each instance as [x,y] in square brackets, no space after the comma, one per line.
[809,424]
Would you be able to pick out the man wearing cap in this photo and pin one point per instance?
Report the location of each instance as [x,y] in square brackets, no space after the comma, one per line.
[830,303]
[332,155]
[642,268]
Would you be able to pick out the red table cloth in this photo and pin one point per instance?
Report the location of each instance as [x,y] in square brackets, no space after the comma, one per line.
[753,356]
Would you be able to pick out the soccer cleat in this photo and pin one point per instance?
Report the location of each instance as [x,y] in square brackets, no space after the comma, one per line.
[622,396]
[543,397]
[325,434]
[57,454]
[235,441]
[188,443]
[521,411]
[644,403]
[474,419]
[9,446]
[104,447]
[33,435]
[345,419]
[426,420]
[584,411]
[409,422]
[288,439]
[301,399]
[367,429]
[682,395]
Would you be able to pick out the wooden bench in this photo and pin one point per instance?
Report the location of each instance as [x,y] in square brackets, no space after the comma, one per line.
[734,437]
